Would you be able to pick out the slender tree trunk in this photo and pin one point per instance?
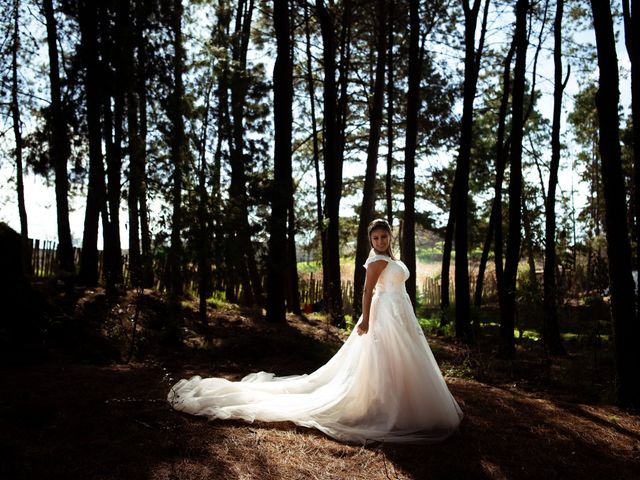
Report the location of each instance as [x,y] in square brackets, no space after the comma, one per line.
[472,68]
[631,15]
[235,270]
[204,231]
[112,139]
[135,146]
[59,145]
[447,247]
[508,308]
[551,330]
[96,189]
[224,273]
[413,105]
[528,239]
[477,299]
[625,319]
[178,148]
[293,281]
[495,220]
[316,150]
[390,94]
[243,251]
[502,150]
[368,194]
[17,135]
[332,167]
[141,89]
[293,301]
[281,188]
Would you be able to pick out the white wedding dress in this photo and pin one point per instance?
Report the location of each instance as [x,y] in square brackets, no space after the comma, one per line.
[382,386]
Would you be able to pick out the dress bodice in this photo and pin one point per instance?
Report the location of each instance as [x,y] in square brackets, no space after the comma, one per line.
[393,277]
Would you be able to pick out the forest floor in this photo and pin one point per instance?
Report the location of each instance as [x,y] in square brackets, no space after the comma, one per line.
[78,410]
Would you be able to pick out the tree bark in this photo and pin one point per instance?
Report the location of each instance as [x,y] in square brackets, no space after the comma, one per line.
[447,247]
[225,277]
[96,197]
[461,192]
[413,104]
[508,307]
[135,145]
[390,130]
[502,149]
[332,168]
[242,249]
[293,280]
[178,148]
[111,85]
[375,124]
[551,330]
[625,319]
[316,151]
[281,187]
[141,88]
[203,229]
[17,135]
[59,145]
[631,14]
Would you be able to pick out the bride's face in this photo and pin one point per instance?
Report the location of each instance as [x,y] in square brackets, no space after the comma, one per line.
[380,240]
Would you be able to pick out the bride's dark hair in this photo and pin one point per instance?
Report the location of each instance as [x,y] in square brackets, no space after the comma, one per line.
[380,224]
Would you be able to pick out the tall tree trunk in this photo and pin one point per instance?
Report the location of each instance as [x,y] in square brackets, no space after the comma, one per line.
[316,150]
[375,125]
[625,319]
[631,15]
[96,189]
[204,221]
[59,145]
[447,247]
[332,167]
[472,68]
[508,307]
[281,188]
[224,274]
[413,104]
[178,150]
[390,93]
[293,280]
[484,257]
[528,240]
[136,148]
[243,251]
[235,270]
[141,89]
[502,150]
[17,134]
[112,137]
[551,330]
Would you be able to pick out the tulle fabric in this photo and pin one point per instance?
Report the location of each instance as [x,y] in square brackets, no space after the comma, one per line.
[383,386]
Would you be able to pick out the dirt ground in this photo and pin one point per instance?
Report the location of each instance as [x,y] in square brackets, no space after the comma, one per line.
[77,414]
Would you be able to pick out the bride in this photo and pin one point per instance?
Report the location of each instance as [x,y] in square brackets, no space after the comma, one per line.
[382,385]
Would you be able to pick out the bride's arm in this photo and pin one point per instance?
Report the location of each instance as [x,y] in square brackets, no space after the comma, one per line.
[373,273]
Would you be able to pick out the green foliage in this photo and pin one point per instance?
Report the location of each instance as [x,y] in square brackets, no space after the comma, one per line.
[313,266]
[434,325]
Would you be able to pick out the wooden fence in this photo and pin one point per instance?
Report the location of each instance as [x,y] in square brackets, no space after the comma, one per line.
[44,263]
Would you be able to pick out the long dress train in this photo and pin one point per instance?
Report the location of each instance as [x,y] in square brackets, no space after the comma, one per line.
[382,386]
